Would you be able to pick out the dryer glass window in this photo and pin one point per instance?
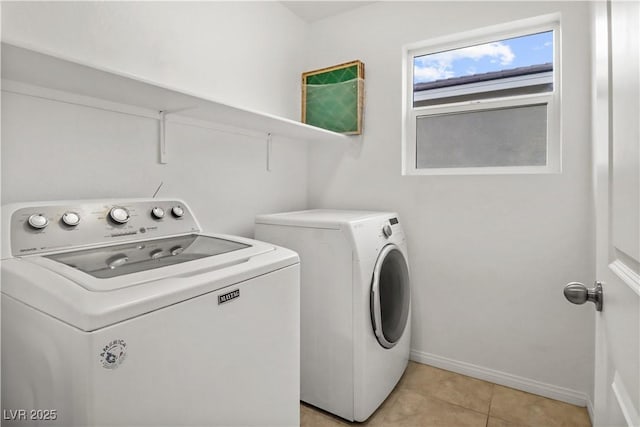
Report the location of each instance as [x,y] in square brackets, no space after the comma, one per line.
[391,297]
[113,261]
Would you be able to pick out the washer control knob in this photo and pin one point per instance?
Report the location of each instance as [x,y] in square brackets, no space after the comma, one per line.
[157,212]
[177,211]
[38,221]
[387,231]
[71,219]
[119,215]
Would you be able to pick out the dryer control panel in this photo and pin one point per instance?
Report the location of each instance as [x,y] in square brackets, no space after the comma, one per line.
[51,227]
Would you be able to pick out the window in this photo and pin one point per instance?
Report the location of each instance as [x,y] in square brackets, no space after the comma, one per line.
[484,102]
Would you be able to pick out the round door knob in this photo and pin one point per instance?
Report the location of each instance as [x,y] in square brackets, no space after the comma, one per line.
[177,211]
[119,215]
[577,293]
[157,212]
[387,231]
[71,219]
[38,221]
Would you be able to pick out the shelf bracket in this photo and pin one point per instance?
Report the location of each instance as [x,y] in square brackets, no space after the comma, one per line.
[269,152]
[163,139]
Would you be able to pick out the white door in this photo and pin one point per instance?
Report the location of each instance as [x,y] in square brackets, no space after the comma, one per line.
[616,135]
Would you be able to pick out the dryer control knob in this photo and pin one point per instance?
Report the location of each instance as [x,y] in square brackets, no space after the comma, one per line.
[119,215]
[177,211]
[387,231]
[38,221]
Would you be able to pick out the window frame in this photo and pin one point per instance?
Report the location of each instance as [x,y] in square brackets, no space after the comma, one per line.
[551,99]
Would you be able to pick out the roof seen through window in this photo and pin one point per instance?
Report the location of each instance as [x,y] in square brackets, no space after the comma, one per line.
[498,56]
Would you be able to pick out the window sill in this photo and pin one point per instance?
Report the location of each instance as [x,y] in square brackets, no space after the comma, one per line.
[492,170]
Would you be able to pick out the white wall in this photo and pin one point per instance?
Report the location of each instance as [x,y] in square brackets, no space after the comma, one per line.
[243,53]
[489,254]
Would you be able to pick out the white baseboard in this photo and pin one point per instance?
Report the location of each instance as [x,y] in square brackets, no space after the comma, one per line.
[502,378]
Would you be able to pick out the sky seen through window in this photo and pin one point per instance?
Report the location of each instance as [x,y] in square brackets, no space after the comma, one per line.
[507,54]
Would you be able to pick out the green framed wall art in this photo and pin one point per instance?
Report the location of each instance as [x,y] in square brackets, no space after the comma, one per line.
[333,97]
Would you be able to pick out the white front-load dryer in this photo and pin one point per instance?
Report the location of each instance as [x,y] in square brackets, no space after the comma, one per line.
[355,304]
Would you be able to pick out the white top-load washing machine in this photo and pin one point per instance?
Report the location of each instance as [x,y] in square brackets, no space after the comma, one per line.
[123,313]
[355,304]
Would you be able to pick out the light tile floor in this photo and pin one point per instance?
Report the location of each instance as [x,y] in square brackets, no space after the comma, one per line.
[428,396]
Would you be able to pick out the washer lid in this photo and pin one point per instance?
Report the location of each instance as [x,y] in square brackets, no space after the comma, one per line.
[113,267]
[87,302]
[113,261]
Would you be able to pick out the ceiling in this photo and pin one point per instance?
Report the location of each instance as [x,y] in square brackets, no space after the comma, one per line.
[312,11]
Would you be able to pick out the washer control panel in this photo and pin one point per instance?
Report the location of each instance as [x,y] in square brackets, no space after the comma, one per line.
[119,215]
[50,227]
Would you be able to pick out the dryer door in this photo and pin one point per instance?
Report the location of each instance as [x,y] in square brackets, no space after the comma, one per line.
[390,296]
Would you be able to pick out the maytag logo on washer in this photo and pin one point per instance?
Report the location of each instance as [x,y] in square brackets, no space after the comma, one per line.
[228,296]
[113,354]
